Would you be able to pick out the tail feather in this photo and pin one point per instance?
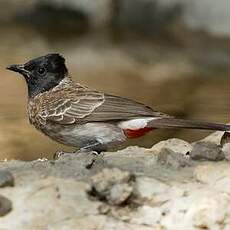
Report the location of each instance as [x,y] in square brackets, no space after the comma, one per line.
[169,122]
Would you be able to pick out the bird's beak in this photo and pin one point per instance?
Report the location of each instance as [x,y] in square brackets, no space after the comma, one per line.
[17,68]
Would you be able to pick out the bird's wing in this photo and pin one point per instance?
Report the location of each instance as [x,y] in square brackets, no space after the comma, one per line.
[85,105]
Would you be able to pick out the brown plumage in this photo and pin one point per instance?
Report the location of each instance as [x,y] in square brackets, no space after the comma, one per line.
[81,117]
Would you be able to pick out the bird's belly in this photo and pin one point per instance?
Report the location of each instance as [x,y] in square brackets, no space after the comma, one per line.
[81,135]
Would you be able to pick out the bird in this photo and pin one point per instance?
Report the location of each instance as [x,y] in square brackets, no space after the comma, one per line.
[84,118]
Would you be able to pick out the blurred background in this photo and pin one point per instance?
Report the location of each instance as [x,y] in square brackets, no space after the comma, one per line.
[173,55]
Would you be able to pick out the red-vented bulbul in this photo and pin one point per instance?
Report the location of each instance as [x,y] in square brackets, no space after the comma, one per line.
[78,116]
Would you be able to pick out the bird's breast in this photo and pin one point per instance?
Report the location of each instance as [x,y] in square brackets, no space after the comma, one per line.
[34,111]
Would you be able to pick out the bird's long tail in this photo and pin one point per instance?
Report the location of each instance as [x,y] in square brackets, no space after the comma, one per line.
[170,122]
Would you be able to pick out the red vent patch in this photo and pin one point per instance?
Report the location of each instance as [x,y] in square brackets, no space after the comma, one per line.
[137,133]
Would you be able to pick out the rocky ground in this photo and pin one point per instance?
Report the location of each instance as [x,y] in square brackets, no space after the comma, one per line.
[173,185]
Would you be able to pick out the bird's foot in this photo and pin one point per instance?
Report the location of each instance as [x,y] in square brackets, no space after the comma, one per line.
[92,155]
[78,153]
[86,151]
[61,153]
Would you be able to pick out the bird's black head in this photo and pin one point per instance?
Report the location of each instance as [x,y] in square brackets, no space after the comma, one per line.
[42,73]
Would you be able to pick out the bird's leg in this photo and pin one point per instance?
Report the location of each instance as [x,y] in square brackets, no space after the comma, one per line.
[95,149]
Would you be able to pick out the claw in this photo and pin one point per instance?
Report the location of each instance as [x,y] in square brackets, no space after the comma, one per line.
[90,164]
[60,153]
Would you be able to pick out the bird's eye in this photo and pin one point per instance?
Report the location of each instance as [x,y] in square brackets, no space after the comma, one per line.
[41,70]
